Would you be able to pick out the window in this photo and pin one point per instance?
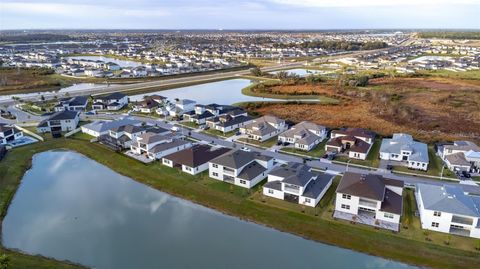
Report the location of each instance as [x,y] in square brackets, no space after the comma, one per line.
[307,200]
[243,181]
[437,213]
[270,191]
[215,165]
[215,174]
[388,215]
[347,207]
[346,196]
[435,224]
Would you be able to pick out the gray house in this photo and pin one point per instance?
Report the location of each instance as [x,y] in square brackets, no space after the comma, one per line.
[402,148]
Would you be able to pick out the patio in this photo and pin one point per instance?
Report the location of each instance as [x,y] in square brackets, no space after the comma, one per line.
[367,219]
[142,158]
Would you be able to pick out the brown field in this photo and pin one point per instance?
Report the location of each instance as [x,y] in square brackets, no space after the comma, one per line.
[431,109]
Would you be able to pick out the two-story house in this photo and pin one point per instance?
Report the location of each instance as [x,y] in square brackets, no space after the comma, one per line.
[9,133]
[78,103]
[357,142]
[448,209]
[369,199]
[264,128]
[155,146]
[402,148]
[241,168]
[229,121]
[193,160]
[304,135]
[113,101]
[298,184]
[61,121]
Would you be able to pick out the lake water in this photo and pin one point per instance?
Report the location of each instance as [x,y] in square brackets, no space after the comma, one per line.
[302,71]
[222,92]
[61,92]
[121,63]
[70,207]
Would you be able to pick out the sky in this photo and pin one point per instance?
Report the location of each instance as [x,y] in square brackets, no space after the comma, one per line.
[238,14]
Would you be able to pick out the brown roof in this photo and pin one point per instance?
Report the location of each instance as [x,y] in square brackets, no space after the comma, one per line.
[357,132]
[196,155]
[369,186]
[392,202]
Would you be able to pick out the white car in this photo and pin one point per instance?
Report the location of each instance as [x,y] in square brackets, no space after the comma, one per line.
[245,149]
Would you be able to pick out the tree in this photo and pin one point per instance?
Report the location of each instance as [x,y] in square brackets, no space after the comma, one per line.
[256,72]
[4,261]
[362,81]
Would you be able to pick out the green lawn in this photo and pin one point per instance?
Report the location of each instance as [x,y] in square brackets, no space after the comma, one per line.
[318,151]
[476,178]
[82,136]
[434,167]
[316,224]
[214,132]
[190,124]
[265,144]
[372,159]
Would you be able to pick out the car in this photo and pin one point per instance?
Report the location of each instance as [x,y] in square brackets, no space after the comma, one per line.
[245,149]
[238,133]
[389,167]
[279,143]
[175,128]
[93,112]
[466,174]
[286,144]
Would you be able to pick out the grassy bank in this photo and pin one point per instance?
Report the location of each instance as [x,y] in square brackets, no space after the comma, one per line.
[321,99]
[240,202]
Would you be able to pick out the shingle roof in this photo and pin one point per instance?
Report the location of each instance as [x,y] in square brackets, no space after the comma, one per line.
[238,158]
[251,171]
[196,155]
[64,115]
[369,186]
[315,187]
[449,199]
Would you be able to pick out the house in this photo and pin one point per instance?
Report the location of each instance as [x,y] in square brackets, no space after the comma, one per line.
[304,135]
[193,160]
[369,199]
[461,156]
[181,107]
[402,148]
[122,137]
[149,104]
[241,168]
[98,128]
[357,142]
[61,121]
[155,146]
[230,121]
[113,101]
[448,209]
[298,184]
[9,133]
[78,103]
[264,128]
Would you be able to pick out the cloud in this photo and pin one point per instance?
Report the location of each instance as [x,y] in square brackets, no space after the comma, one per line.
[369,3]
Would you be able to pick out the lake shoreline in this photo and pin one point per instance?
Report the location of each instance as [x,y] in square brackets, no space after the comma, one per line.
[266,216]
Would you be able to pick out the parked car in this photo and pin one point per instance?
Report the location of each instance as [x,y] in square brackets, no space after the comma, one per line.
[279,143]
[238,133]
[286,144]
[245,149]
[466,174]
[389,167]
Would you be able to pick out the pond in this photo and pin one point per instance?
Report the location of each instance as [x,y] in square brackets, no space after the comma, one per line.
[121,63]
[222,92]
[71,207]
[304,72]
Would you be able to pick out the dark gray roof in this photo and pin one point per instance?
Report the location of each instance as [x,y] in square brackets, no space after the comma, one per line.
[315,187]
[238,158]
[169,145]
[196,155]
[392,202]
[128,129]
[276,185]
[64,115]
[112,96]
[298,175]
[251,171]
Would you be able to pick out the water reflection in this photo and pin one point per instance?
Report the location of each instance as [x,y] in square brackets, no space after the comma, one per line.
[70,207]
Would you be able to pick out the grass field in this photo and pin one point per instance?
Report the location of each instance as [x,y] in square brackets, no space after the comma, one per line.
[316,224]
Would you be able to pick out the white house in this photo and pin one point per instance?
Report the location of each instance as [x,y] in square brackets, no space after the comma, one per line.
[155,146]
[448,209]
[98,128]
[357,142]
[461,156]
[304,135]
[114,101]
[181,107]
[369,199]
[241,168]
[264,128]
[9,133]
[402,148]
[62,121]
[193,160]
[297,183]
